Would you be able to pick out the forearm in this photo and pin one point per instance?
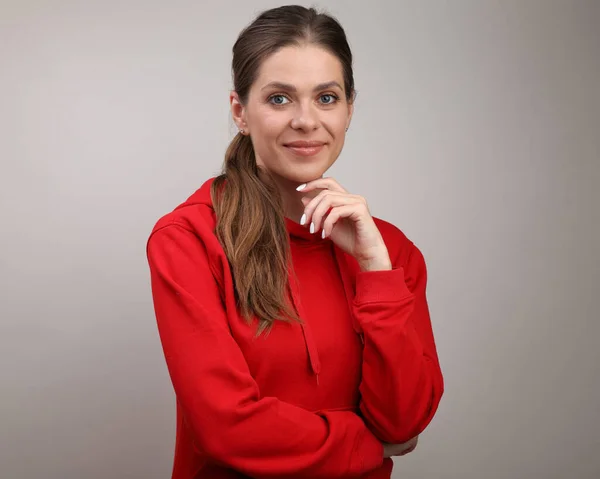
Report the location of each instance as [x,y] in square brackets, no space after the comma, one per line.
[401,379]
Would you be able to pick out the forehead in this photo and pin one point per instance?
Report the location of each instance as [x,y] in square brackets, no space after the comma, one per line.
[300,66]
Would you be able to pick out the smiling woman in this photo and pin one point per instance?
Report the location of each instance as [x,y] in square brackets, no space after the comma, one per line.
[297,105]
[292,354]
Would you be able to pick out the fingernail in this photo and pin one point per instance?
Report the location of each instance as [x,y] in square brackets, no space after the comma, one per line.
[301,187]
[323,234]
[303,219]
[312,227]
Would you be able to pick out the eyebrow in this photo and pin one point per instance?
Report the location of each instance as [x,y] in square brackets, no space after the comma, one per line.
[286,86]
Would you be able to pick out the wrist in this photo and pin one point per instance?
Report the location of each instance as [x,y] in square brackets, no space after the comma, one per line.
[381,263]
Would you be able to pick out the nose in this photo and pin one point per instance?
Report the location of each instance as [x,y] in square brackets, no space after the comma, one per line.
[305,117]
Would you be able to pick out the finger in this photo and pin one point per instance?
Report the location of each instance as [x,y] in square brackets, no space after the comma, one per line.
[327,183]
[352,211]
[327,202]
[306,200]
[311,204]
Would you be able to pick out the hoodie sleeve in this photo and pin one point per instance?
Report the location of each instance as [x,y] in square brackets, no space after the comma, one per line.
[232,423]
[402,382]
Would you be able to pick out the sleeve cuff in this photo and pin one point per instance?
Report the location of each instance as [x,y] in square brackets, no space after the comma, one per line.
[381,286]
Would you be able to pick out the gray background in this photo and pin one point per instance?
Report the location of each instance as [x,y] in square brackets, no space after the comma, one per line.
[476,132]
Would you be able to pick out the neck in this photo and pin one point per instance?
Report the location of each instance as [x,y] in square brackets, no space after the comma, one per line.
[291,199]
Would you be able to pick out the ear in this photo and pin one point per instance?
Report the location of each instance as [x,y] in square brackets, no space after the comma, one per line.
[350,112]
[238,111]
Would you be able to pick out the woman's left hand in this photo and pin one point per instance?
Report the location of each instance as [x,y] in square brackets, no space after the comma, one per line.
[390,450]
[346,219]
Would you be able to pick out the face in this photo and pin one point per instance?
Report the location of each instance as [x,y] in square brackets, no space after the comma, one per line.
[296,113]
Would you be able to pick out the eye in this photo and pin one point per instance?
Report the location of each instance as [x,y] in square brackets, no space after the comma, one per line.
[329,99]
[278,100]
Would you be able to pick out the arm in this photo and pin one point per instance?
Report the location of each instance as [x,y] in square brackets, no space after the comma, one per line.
[402,382]
[232,423]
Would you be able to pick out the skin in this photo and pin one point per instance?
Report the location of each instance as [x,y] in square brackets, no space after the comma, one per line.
[299,96]
[305,114]
[390,450]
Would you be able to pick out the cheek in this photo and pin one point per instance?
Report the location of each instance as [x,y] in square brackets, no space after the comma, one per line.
[270,123]
[337,123]
[273,126]
[337,128]
[267,126]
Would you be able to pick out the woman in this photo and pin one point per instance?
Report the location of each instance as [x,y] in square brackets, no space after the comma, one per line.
[294,325]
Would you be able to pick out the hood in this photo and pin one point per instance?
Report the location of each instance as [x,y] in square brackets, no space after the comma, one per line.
[297,233]
[201,196]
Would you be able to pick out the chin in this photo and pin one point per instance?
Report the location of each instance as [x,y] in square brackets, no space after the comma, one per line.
[305,173]
[300,170]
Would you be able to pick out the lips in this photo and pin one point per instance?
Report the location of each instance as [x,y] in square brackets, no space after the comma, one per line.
[305,148]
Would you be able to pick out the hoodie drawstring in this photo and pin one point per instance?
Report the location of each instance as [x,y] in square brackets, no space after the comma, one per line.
[313,354]
[311,347]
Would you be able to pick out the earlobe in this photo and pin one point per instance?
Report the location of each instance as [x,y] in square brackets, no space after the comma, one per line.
[350,112]
[237,110]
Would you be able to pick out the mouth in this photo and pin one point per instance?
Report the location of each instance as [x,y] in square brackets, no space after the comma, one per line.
[305,148]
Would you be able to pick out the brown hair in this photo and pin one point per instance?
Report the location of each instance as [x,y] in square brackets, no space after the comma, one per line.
[250,217]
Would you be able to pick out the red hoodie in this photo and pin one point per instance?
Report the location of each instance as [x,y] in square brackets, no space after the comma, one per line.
[311,400]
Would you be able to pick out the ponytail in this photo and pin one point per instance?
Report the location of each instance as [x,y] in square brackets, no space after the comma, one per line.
[251,230]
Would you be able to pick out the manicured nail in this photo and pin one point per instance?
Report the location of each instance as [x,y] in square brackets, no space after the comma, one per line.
[312,227]
[303,219]
[323,234]
[301,187]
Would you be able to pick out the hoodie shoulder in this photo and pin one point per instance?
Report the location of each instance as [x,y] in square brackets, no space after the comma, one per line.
[399,245]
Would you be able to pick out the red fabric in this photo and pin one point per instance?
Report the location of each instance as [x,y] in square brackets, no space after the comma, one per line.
[311,400]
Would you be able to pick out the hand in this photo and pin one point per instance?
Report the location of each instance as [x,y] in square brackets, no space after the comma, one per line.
[390,450]
[346,219]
